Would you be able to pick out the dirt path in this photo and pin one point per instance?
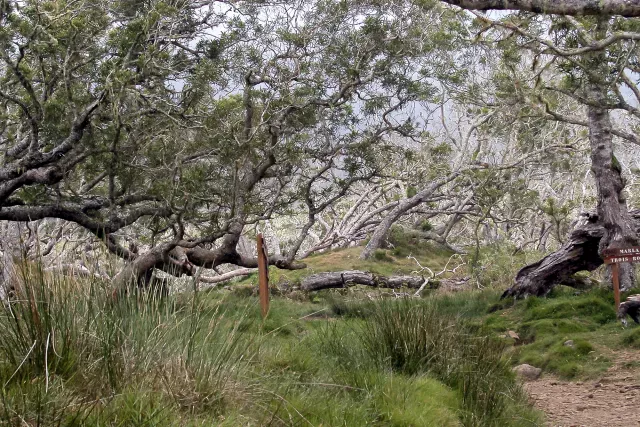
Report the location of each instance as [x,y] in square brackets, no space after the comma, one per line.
[611,401]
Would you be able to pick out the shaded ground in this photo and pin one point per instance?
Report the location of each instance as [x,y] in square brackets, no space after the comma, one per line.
[612,400]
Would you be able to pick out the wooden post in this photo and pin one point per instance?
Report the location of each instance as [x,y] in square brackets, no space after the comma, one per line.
[263,276]
[615,275]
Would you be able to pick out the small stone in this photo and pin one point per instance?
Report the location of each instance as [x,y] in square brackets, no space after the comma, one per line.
[527,372]
[568,343]
[597,385]
[590,396]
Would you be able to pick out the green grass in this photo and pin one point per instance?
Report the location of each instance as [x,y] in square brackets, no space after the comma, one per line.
[631,338]
[545,324]
[416,338]
[71,355]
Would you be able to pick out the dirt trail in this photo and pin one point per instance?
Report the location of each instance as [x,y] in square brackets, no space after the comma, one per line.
[611,401]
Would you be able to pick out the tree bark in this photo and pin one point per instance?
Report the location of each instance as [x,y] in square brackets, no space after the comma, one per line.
[630,307]
[344,279]
[619,230]
[211,282]
[560,7]
[11,247]
[579,253]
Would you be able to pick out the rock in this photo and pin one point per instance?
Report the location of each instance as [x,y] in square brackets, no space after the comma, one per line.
[513,335]
[527,372]
[569,343]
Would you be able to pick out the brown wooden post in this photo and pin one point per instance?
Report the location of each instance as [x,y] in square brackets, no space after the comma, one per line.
[615,275]
[263,276]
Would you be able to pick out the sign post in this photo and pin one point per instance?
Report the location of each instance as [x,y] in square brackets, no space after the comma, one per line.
[615,256]
[263,276]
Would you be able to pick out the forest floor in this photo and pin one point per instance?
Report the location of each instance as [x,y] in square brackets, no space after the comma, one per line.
[356,356]
[595,381]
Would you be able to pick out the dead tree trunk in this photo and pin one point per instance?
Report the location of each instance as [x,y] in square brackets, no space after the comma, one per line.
[581,252]
[343,279]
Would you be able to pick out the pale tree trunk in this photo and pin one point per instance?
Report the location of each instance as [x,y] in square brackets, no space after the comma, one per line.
[612,205]
[404,206]
[613,226]
[382,230]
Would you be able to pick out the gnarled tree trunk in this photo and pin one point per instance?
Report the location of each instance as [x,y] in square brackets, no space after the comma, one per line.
[612,206]
[613,227]
[579,253]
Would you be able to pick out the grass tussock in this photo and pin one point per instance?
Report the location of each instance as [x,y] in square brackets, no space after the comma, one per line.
[71,355]
[418,338]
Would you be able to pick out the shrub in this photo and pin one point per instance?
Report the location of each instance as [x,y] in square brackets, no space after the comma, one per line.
[426,226]
[381,255]
[631,338]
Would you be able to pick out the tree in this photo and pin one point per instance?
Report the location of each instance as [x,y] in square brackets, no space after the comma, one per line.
[583,61]
[171,126]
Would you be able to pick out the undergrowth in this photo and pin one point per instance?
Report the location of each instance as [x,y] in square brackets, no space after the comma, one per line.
[417,338]
[71,355]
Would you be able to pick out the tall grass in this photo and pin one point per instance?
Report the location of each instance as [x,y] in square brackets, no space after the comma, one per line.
[416,338]
[72,355]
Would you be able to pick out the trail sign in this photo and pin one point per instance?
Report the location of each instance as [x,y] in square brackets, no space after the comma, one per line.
[613,257]
[263,276]
[624,258]
[633,250]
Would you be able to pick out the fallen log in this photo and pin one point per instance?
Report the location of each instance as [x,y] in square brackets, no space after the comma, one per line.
[344,279]
[213,281]
[581,252]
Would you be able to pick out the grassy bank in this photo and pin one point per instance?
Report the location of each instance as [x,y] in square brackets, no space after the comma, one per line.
[72,355]
[571,334]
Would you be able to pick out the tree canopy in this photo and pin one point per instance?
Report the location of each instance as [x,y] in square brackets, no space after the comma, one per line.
[168,130]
